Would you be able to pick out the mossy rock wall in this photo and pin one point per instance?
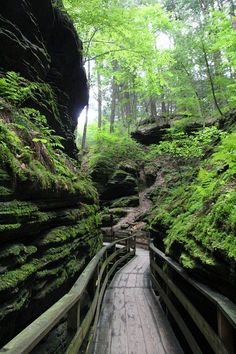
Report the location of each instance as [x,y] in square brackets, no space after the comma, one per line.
[49,221]
[44,247]
[38,40]
[194,214]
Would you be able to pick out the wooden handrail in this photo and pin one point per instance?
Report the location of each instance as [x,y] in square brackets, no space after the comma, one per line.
[69,305]
[163,270]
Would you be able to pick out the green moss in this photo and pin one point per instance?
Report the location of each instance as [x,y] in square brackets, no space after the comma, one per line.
[34,165]
[197,218]
[48,273]
[12,279]
[5,191]
[117,214]
[9,227]
[4,176]
[30,150]
[186,261]
[129,167]
[131,201]
[120,175]
[51,286]
[64,234]
[17,208]
[15,304]
[17,250]
[74,266]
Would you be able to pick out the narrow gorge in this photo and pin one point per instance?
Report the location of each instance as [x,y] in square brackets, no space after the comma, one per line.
[117,131]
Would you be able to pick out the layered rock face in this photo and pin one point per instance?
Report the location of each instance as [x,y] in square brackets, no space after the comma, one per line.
[118,189]
[39,41]
[49,226]
[194,198]
[154,132]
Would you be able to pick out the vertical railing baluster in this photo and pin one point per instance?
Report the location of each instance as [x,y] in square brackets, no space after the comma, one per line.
[73,318]
[225,332]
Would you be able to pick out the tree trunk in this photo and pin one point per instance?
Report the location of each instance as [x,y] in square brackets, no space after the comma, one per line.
[113,105]
[114,90]
[210,79]
[196,94]
[153,108]
[163,108]
[99,100]
[232,8]
[86,115]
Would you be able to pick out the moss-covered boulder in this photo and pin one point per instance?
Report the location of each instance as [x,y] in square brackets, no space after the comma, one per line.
[110,217]
[131,201]
[120,184]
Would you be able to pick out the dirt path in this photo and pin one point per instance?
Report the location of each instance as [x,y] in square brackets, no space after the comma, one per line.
[132,222]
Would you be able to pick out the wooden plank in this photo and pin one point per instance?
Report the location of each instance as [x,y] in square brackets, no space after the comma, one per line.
[131,281]
[136,342]
[150,328]
[83,330]
[211,337]
[109,274]
[118,325]
[133,324]
[122,281]
[168,339]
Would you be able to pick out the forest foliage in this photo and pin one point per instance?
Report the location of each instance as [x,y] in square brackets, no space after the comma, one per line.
[168,62]
[158,59]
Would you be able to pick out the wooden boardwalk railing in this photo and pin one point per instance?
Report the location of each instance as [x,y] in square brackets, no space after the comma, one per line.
[206,319]
[93,280]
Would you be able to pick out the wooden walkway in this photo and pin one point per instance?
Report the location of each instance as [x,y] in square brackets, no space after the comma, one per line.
[131,320]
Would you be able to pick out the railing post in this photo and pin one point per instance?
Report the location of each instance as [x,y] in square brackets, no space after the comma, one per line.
[107,266]
[225,331]
[94,279]
[167,270]
[126,245]
[73,318]
[129,244]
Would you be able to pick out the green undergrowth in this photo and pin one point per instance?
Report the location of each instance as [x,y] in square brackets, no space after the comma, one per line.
[194,219]
[111,151]
[31,151]
[130,201]
[112,215]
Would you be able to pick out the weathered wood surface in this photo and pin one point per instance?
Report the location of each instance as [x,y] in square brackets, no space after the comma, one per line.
[69,304]
[131,320]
